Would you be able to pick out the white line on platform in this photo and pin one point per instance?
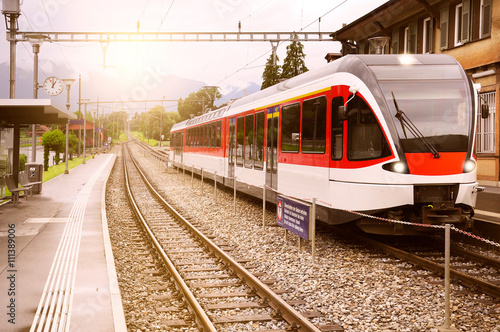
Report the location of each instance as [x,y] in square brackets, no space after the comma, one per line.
[54,309]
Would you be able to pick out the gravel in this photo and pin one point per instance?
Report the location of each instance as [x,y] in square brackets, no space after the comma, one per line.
[345,283]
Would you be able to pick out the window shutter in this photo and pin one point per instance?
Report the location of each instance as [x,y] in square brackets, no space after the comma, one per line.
[395,41]
[443,22]
[486,23]
[465,21]
[431,36]
[412,40]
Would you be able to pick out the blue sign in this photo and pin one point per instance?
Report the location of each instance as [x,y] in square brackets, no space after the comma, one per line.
[293,215]
[76,122]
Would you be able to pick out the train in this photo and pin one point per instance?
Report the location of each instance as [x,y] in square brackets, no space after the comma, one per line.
[385,142]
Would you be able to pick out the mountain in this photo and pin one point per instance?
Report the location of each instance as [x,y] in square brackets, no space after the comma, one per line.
[126,89]
[236,92]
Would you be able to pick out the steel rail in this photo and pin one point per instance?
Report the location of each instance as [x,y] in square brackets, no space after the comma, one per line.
[468,280]
[292,316]
[200,315]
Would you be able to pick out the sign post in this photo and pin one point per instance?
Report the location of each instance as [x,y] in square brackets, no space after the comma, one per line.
[298,218]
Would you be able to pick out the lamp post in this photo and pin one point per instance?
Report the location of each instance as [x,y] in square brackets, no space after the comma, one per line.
[93,136]
[85,101]
[68,82]
[159,118]
[36,41]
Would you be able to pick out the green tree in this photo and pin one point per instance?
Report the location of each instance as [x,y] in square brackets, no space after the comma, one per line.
[73,145]
[294,63]
[198,102]
[271,74]
[115,123]
[53,140]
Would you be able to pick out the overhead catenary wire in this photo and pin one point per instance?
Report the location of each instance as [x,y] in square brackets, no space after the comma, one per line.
[280,42]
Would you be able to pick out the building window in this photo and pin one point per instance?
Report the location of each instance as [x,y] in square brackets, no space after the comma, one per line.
[486,127]
[485,19]
[406,40]
[427,36]
[458,26]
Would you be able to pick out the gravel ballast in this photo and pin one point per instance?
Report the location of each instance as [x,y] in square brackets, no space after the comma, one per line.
[346,284]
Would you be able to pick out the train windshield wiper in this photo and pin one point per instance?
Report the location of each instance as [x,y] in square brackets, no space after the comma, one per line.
[408,124]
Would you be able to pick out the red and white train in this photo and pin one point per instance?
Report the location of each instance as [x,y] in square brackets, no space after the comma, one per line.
[386,135]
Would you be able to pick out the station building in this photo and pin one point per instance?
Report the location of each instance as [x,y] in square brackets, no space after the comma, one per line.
[468,30]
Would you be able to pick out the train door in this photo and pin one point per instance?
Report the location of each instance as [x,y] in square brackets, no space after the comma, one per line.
[231,149]
[272,147]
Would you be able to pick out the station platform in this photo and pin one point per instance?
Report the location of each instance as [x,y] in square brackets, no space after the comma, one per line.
[56,262]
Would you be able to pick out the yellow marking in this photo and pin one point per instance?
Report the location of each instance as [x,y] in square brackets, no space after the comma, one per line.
[294,98]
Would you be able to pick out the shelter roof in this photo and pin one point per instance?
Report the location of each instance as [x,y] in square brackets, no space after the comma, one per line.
[29,111]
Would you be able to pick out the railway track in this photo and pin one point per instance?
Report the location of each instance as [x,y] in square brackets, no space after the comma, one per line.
[216,284]
[474,270]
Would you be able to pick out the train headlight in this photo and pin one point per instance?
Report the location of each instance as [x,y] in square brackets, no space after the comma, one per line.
[469,165]
[396,167]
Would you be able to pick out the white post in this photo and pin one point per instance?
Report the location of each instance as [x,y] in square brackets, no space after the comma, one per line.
[264,207]
[312,228]
[234,204]
[202,181]
[215,186]
[446,327]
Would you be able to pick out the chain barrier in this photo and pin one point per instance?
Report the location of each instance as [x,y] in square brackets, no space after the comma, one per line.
[394,221]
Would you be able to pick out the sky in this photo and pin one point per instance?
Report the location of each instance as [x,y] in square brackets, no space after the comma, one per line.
[138,71]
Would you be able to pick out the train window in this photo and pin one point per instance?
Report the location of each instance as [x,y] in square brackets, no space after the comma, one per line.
[214,133]
[248,140]
[260,119]
[290,128]
[240,139]
[202,138]
[206,136]
[314,125]
[365,139]
[209,135]
[218,133]
[337,129]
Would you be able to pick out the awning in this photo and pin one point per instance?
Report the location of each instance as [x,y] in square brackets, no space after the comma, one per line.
[29,111]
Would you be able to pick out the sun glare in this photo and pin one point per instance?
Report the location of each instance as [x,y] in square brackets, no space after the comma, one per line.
[126,55]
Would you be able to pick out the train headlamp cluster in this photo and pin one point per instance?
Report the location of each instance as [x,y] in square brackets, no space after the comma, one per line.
[396,167]
[469,165]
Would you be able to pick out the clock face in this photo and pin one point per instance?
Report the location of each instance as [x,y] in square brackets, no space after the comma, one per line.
[53,85]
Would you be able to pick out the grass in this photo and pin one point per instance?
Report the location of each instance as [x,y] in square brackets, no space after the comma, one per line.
[151,142]
[57,170]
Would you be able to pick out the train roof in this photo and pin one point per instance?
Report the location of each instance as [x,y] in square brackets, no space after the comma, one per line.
[357,64]
[349,63]
[207,117]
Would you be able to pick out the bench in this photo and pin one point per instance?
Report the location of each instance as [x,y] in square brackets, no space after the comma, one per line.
[23,179]
[9,181]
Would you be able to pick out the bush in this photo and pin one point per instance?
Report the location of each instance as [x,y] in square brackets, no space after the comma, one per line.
[22,161]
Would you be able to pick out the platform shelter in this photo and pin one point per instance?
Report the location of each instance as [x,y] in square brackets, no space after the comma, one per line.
[15,113]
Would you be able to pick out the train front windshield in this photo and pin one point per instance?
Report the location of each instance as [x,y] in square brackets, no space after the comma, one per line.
[434,99]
